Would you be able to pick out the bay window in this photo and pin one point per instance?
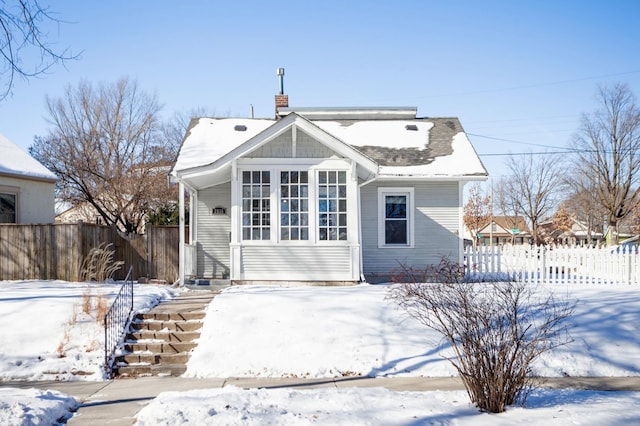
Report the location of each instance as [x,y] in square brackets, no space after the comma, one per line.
[310,204]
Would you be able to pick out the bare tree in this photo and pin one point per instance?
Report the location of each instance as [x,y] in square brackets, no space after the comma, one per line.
[174,129]
[582,204]
[477,210]
[607,147]
[496,330]
[506,205]
[172,132]
[22,35]
[533,187]
[106,148]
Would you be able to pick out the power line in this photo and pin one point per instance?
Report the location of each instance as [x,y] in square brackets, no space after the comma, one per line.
[529,86]
[514,154]
[518,142]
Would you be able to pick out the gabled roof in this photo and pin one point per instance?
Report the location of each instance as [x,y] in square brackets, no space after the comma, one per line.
[507,224]
[15,162]
[387,143]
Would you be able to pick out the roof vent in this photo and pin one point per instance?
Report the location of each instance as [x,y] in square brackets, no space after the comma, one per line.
[240,128]
[411,127]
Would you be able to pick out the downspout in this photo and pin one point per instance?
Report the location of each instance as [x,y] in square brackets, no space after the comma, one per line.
[366,182]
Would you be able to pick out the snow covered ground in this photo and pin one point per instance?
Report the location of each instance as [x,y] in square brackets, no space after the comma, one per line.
[309,332]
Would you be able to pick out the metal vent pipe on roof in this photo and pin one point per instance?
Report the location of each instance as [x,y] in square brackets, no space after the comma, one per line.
[280,74]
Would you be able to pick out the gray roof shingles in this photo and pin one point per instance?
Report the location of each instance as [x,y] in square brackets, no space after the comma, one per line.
[439,145]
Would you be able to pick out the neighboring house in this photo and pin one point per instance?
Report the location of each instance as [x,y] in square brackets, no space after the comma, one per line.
[505,230]
[578,234]
[322,194]
[26,187]
[83,212]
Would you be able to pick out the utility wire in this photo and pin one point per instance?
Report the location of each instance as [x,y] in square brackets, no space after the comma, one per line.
[519,142]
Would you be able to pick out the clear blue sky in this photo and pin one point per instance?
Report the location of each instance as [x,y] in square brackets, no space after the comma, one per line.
[517,73]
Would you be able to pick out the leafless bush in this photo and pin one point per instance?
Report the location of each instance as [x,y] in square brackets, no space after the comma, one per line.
[496,330]
[86,302]
[445,271]
[102,307]
[99,265]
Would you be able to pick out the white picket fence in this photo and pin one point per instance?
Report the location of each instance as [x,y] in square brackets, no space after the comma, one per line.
[554,264]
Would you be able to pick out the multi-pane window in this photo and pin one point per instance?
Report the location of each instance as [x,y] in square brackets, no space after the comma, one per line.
[8,208]
[396,225]
[294,205]
[332,205]
[256,208]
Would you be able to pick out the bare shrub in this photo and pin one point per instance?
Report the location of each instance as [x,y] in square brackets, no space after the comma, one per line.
[86,302]
[102,307]
[60,350]
[496,330]
[99,265]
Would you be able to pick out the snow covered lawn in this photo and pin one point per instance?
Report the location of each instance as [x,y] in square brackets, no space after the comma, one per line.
[47,334]
[309,332]
[378,406]
[345,331]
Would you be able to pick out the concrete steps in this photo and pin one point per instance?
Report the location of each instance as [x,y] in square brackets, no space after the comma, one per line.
[159,342]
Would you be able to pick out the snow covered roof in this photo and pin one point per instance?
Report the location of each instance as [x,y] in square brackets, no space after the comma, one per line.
[16,162]
[209,139]
[400,147]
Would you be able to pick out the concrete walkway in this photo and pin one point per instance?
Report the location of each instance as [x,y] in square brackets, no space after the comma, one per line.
[117,402]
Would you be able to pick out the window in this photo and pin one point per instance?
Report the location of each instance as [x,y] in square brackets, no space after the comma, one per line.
[256,205]
[294,205]
[395,217]
[332,205]
[8,204]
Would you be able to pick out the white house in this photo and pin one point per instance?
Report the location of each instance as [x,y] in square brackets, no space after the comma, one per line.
[335,195]
[26,187]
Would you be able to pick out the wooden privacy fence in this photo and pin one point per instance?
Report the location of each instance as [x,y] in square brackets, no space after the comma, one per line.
[56,251]
[555,264]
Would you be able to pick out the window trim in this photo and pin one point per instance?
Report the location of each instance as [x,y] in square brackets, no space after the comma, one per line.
[383,192]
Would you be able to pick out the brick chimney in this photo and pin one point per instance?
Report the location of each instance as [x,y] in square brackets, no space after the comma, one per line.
[282,100]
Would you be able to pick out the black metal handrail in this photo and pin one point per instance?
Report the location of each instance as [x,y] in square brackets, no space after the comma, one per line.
[116,321]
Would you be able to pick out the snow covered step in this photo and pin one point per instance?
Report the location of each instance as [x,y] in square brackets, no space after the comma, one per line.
[153,325]
[159,348]
[152,370]
[153,358]
[164,336]
[160,342]
[172,316]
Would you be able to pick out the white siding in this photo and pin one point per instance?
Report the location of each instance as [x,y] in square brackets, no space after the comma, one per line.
[280,147]
[213,232]
[296,263]
[283,147]
[307,147]
[35,199]
[436,230]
